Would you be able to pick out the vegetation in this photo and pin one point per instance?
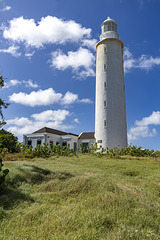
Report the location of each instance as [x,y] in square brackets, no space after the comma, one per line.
[81,197]
[3,104]
[8,141]
[3,173]
[46,150]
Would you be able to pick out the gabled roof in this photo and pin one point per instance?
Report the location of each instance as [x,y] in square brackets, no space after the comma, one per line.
[53,131]
[87,135]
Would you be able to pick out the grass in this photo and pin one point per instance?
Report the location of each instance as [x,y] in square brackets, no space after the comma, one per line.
[83,197]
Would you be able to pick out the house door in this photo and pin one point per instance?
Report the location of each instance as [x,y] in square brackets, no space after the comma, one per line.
[84,145]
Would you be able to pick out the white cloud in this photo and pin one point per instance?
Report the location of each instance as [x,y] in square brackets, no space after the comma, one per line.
[50,115]
[39,98]
[86,100]
[30,83]
[140,132]
[76,120]
[46,97]
[141,128]
[69,98]
[29,54]
[48,30]
[19,121]
[90,43]
[6,8]
[81,62]
[11,83]
[15,82]
[53,119]
[143,62]
[13,50]
[154,119]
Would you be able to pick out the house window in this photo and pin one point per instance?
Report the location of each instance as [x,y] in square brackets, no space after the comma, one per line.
[75,146]
[51,143]
[104,66]
[105,85]
[105,104]
[105,123]
[38,142]
[64,144]
[57,143]
[29,142]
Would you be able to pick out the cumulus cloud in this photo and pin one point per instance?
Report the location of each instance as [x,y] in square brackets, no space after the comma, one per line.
[30,83]
[50,115]
[46,97]
[48,30]
[15,82]
[144,62]
[13,50]
[140,132]
[39,98]
[49,118]
[11,83]
[154,119]
[141,128]
[19,121]
[90,43]
[81,62]
[5,8]
[69,98]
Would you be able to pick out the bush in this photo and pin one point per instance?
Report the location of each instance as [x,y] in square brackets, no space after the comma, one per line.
[8,140]
[46,150]
[3,173]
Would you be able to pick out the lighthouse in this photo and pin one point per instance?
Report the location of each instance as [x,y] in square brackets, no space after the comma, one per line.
[110,112]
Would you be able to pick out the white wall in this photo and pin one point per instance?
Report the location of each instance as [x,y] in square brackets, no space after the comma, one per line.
[115,132]
[48,137]
[89,141]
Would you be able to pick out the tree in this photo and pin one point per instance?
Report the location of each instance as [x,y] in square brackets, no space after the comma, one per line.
[2,103]
[8,140]
[3,173]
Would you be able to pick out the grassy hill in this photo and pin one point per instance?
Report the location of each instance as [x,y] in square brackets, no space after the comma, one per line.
[82,198]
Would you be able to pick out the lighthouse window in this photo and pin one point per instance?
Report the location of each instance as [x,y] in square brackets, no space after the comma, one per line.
[105,123]
[104,49]
[110,26]
[105,85]
[105,29]
[105,104]
[104,66]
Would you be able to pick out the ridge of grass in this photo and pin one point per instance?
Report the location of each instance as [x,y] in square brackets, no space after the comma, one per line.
[81,197]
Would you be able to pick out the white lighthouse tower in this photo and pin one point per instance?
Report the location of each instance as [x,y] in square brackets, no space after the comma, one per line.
[110,119]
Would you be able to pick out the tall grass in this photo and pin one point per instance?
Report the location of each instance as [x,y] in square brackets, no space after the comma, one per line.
[81,197]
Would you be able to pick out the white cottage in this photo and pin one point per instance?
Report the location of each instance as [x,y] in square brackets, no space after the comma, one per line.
[49,135]
[86,139]
[55,137]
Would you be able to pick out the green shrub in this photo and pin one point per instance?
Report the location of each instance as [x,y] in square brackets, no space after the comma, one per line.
[3,173]
[8,140]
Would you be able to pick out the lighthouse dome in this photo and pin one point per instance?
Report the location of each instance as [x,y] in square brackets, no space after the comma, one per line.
[109,29]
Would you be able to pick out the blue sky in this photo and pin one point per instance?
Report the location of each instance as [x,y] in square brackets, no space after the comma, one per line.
[47,57]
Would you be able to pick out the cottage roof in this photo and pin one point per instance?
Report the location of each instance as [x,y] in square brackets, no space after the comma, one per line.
[53,131]
[87,135]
